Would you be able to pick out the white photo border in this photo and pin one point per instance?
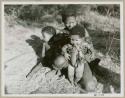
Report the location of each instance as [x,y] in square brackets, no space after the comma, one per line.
[65,95]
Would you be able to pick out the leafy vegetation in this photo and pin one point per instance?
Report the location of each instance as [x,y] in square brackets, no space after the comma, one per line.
[102,19]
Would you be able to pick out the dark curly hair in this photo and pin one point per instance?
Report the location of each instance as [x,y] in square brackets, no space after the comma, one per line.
[78,30]
[49,30]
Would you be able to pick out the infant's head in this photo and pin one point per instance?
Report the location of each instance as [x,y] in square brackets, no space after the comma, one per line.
[48,32]
[77,35]
[59,60]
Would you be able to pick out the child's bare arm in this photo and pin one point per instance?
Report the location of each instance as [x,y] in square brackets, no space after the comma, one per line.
[43,50]
[73,57]
[86,33]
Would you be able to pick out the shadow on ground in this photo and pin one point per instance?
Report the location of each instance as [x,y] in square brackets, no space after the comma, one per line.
[105,76]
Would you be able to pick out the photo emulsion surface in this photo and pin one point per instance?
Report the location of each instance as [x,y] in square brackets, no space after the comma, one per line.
[62,49]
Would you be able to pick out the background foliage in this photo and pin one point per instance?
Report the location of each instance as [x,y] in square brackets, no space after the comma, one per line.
[102,21]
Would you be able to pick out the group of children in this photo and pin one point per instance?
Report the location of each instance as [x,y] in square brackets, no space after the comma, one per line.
[76,50]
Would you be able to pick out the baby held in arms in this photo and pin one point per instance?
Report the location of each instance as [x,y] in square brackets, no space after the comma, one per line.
[76,54]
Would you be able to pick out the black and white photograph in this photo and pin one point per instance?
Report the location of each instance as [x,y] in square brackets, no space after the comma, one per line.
[42,51]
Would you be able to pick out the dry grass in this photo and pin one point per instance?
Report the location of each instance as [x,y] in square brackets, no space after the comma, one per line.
[99,22]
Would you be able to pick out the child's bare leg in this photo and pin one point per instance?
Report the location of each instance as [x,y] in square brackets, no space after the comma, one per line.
[79,72]
[88,82]
[71,74]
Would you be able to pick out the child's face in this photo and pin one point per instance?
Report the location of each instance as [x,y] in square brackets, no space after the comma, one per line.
[70,22]
[75,40]
[47,36]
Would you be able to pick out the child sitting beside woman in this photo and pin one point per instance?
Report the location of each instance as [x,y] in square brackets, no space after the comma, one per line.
[77,53]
